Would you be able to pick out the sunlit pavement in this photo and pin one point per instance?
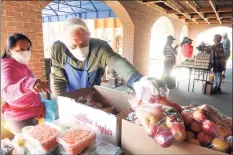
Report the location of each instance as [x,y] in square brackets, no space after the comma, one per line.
[222,101]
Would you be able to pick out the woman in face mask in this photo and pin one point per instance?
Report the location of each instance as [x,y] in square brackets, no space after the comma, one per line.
[19,87]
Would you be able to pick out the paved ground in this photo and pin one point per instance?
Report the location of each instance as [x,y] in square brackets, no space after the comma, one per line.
[222,102]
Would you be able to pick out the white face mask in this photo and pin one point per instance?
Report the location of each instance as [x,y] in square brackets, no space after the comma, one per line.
[21,57]
[80,53]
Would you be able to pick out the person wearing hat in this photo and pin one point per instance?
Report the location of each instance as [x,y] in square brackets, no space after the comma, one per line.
[170,56]
[187,48]
[79,61]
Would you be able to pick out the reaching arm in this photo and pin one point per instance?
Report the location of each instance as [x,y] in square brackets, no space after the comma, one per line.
[12,88]
[59,78]
[122,67]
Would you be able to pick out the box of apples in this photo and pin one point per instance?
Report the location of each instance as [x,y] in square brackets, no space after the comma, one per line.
[208,127]
[166,123]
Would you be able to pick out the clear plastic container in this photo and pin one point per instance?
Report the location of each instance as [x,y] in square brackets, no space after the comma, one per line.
[76,139]
[62,125]
[103,148]
[26,129]
[43,137]
[32,149]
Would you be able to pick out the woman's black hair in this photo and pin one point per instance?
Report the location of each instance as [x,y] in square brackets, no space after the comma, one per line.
[184,41]
[12,40]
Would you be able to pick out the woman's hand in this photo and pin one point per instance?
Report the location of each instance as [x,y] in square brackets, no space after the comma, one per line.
[41,87]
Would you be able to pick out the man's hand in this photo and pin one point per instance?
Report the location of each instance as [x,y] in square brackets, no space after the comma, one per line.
[147,87]
[41,87]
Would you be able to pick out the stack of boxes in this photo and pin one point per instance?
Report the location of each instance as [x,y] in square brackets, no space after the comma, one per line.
[202,60]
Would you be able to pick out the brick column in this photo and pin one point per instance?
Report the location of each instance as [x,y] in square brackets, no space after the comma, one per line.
[25,17]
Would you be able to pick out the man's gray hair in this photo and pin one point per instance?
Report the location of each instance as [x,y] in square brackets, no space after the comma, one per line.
[75,24]
[70,26]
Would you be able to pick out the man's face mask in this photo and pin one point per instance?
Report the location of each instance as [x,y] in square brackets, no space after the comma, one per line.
[80,53]
[80,44]
[21,57]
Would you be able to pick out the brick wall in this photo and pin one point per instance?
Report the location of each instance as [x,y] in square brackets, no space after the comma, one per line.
[25,17]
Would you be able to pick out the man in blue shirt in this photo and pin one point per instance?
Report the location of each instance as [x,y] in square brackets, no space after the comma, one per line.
[226,46]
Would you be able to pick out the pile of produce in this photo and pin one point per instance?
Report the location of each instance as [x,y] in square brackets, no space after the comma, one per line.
[167,122]
[89,101]
[207,127]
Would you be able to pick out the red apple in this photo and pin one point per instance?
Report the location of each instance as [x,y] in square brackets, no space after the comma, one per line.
[161,100]
[196,126]
[178,132]
[152,99]
[187,117]
[204,139]
[190,135]
[152,130]
[219,145]
[151,118]
[209,127]
[199,115]
[164,138]
[176,106]
[194,141]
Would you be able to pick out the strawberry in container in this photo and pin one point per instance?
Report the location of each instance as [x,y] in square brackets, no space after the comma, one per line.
[76,139]
[43,136]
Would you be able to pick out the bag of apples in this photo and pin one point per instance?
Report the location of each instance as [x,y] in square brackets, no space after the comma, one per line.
[163,123]
[208,127]
[155,99]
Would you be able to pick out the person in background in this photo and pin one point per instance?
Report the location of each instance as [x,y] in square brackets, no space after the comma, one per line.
[218,62]
[79,62]
[19,87]
[226,46]
[187,48]
[170,56]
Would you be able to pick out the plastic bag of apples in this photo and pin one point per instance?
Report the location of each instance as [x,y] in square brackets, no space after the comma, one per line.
[155,99]
[208,127]
[163,123]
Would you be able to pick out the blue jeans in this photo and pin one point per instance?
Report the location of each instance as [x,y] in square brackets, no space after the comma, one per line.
[217,79]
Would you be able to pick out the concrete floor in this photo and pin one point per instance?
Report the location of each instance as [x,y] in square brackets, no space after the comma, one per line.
[223,101]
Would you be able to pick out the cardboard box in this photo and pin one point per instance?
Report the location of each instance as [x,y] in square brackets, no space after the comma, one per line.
[134,140]
[211,78]
[108,125]
[208,89]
